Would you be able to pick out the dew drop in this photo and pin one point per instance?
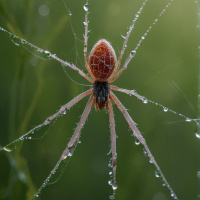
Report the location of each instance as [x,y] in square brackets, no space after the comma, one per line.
[109,182]
[15,40]
[198,174]
[47,53]
[133,53]
[114,186]
[145,100]
[7,149]
[86,7]
[136,15]
[165,109]
[137,142]
[197,134]
[85,23]
[110,173]
[188,120]
[145,152]
[64,113]
[111,197]
[23,41]
[29,137]
[157,173]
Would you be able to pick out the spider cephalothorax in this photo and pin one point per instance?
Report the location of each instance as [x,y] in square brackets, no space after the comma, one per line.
[101,91]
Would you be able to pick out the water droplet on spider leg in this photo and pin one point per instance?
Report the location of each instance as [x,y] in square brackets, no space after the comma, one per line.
[145,152]
[137,142]
[133,53]
[16,40]
[165,109]
[114,186]
[48,54]
[157,173]
[86,7]
[111,197]
[173,195]
[145,100]
[109,182]
[110,173]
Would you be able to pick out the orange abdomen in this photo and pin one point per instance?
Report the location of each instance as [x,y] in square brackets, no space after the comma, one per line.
[102,60]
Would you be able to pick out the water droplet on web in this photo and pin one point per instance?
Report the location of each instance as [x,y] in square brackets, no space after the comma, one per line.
[198,174]
[197,134]
[188,120]
[7,149]
[114,186]
[165,109]
[137,142]
[13,145]
[111,197]
[86,7]
[157,173]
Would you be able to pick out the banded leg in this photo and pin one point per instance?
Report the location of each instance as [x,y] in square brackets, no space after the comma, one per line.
[113,143]
[141,139]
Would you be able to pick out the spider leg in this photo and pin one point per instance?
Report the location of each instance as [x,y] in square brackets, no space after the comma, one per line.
[132,92]
[70,145]
[68,106]
[86,22]
[79,127]
[131,27]
[124,67]
[113,143]
[62,110]
[141,139]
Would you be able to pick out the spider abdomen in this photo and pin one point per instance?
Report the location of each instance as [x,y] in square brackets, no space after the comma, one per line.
[102,60]
[101,92]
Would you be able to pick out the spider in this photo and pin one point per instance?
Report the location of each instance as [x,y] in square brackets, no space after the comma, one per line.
[104,68]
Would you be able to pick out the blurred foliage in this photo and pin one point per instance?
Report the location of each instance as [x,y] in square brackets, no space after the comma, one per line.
[165,69]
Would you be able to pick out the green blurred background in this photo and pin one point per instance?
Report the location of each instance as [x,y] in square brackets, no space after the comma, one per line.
[165,69]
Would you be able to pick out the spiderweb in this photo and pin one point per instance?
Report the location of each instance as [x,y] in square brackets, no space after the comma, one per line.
[163,70]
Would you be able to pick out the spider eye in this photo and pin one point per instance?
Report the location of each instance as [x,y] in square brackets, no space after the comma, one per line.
[102,60]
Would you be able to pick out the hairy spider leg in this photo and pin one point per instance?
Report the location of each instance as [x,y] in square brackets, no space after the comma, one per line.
[113,143]
[71,144]
[138,135]
[86,6]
